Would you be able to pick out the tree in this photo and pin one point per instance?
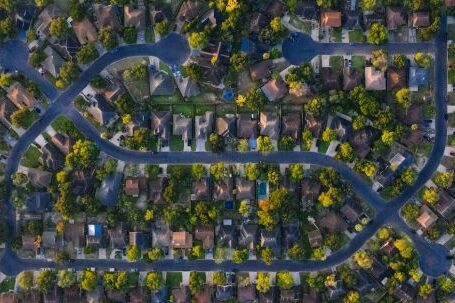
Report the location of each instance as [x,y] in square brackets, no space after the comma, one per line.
[266,255]
[215,143]
[218,171]
[198,39]
[61,256]
[87,53]
[329,197]
[89,280]
[59,28]
[84,154]
[198,171]
[430,195]
[325,3]
[197,251]
[403,97]
[422,60]
[130,35]
[443,179]
[410,212]
[251,171]
[264,144]
[66,278]
[161,28]
[445,285]
[404,247]
[286,143]
[425,290]
[41,3]
[366,167]
[451,50]
[238,61]
[303,73]
[155,253]
[388,137]
[328,135]
[295,252]
[307,140]
[24,118]
[197,281]
[379,59]
[68,72]
[352,297]
[284,280]
[35,58]
[292,5]
[318,254]
[263,282]
[133,253]
[193,71]
[363,259]
[345,152]
[383,233]
[77,10]
[296,171]
[136,72]
[108,38]
[20,179]
[154,281]
[5,80]
[315,106]
[25,280]
[400,61]
[368,5]
[239,255]
[219,278]
[273,176]
[378,34]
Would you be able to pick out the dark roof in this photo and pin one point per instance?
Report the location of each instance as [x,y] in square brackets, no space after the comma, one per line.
[181,295]
[375,17]
[351,78]
[396,78]
[225,292]
[291,125]
[139,239]
[102,111]
[227,236]
[405,292]
[342,127]
[414,114]
[330,78]
[361,140]
[156,189]
[39,202]
[395,17]
[161,84]
[51,157]
[82,181]
[445,205]
[246,126]
[39,178]
[275,9]
[351,210]
[315,125]
[353,20]
[260,70]
[223,189]
[271,239]
[248,236]
[200,189]
[291,234]
[310,191]
[246,293]
[161,124]
[332,222]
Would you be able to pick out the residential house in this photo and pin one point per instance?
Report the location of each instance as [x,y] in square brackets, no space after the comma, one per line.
[246,126]
[108,192]
[204,295]
[139,239]
[203,125]
[315,238]
[271,239]
[117,236]
[419,19]
[187,87]
[222,189]
[82,181]
[342,127]
[161,125]
[39,178]
[39,202]
[182,239]
[353,20]
[413,138]
[156,190]
[200,190]
[157,13]
[102,111]
[351,78]
[20,96]
[311,296]
[275,89]
[106,17]
[395,17]
[430,299]
[450,3]
[226,236]
[261,70]
[132,187]
[7,108]
[291,125]
[246,294]
[306,10]
[32,296]
[94,235]
[414,114]
[72,294]
[331,19]
[330,78]
[205,234]
[310,190]
[181,294]
[427,217]
[53,295]
[292,295]
[96,295]
[211,19]
[213,60]
[445,205]
[291,234]
[188,10]
[275,8]
[28,243]
[161,84]
[396,78]
[85,31]
[333,223]
[374,79]
[49,13]
[114,90]
[63,142]
[369,18]
[74,234]
[161,235]
[257,22]
[225,293]
[182,126]
[270,296]
[417,77]
[53,62]
[405,293]
[134,17]
[362,140]
[138,121]
[388,248]
[335,291]
[226,126]
[49,239]
[248,236]
[269,124]
[244,189]
[139,294]
[352,211]
[51,157]
[115,295]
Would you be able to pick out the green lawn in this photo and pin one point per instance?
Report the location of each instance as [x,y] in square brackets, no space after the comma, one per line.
[176,98]
[303,26]
[201,109]
[224,109]
[336,62]
[184,109]
[336,35]
[323,146]
[176,143]
[358,62]
[31,157]
[173,279]
[7,285]
[451,97]
[356,36]
[451,31]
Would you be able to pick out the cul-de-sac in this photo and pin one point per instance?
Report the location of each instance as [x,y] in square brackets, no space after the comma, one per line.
[240,151]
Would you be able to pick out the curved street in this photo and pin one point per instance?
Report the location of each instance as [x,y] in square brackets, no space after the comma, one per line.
[174,50]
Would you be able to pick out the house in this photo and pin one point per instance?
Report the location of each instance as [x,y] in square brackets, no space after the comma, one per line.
[182,239]
[362,139]
[139,294]
[28,243]
[374,79]
[226,236]
[49,13]
[311,296]
[274,9]
[114,90]
[270,296]
[445,205]
[291,125]
[450,3]
[63,142]
[335,292]
[331,19]
[342,127]
[161,84]
[275,89]
[85,31]
[212,18]
[204,295]
[117,236]
[96,295]
[371,18]
[181,295]
[257,22]
[161,235]
[307,10]
[226,126]
[414,114]
[213,60]
[291,234]
[9,297]
[161,125]
[222,189]
[39,178]
[39,202]
[20,96]
[388,248]
[315,238]
[310,190]
[187,87]
[396,78]
[74,234]
[269,124]
[94,235]
[419,19]
[68,47]
[225,293]
[156,190]
[427,217]
[182,126]
[205,234]
[417,77]
[7,108]
[353,20]
[248,236]
[261,70]
[72,294]
[333,223]
[292,295]
[203,125]
[53,62]
[246,126]
[395,17]
[134,17]
[108,192]
[271,239]
[32,296]
[405,293]
[413,138]
[106,17]
[139,239]
[53,295]
[246,293]
[245,189]
[351,78]
[82,181]
[200,190]
[188,10]
[351,211]
[51,157]
[114,295]
[102,111]
[330,78]
[132,187]
[157,13]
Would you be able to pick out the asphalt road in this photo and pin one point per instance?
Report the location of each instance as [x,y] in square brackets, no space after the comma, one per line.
[174,50]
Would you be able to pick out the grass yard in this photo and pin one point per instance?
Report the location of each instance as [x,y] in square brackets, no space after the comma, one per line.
[336,62]
[183,109]
[176,143]
[451,31]
[224,109]
[173,279]
[201,109]
[303,26]
[7,284]
[356,36]
[451,97]
[323,146]
[336,35]
[358,62]
[31,157]
[175,98]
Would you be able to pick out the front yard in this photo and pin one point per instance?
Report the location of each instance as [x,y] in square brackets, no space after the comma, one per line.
[31,157]
[356,36]
[304,26]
